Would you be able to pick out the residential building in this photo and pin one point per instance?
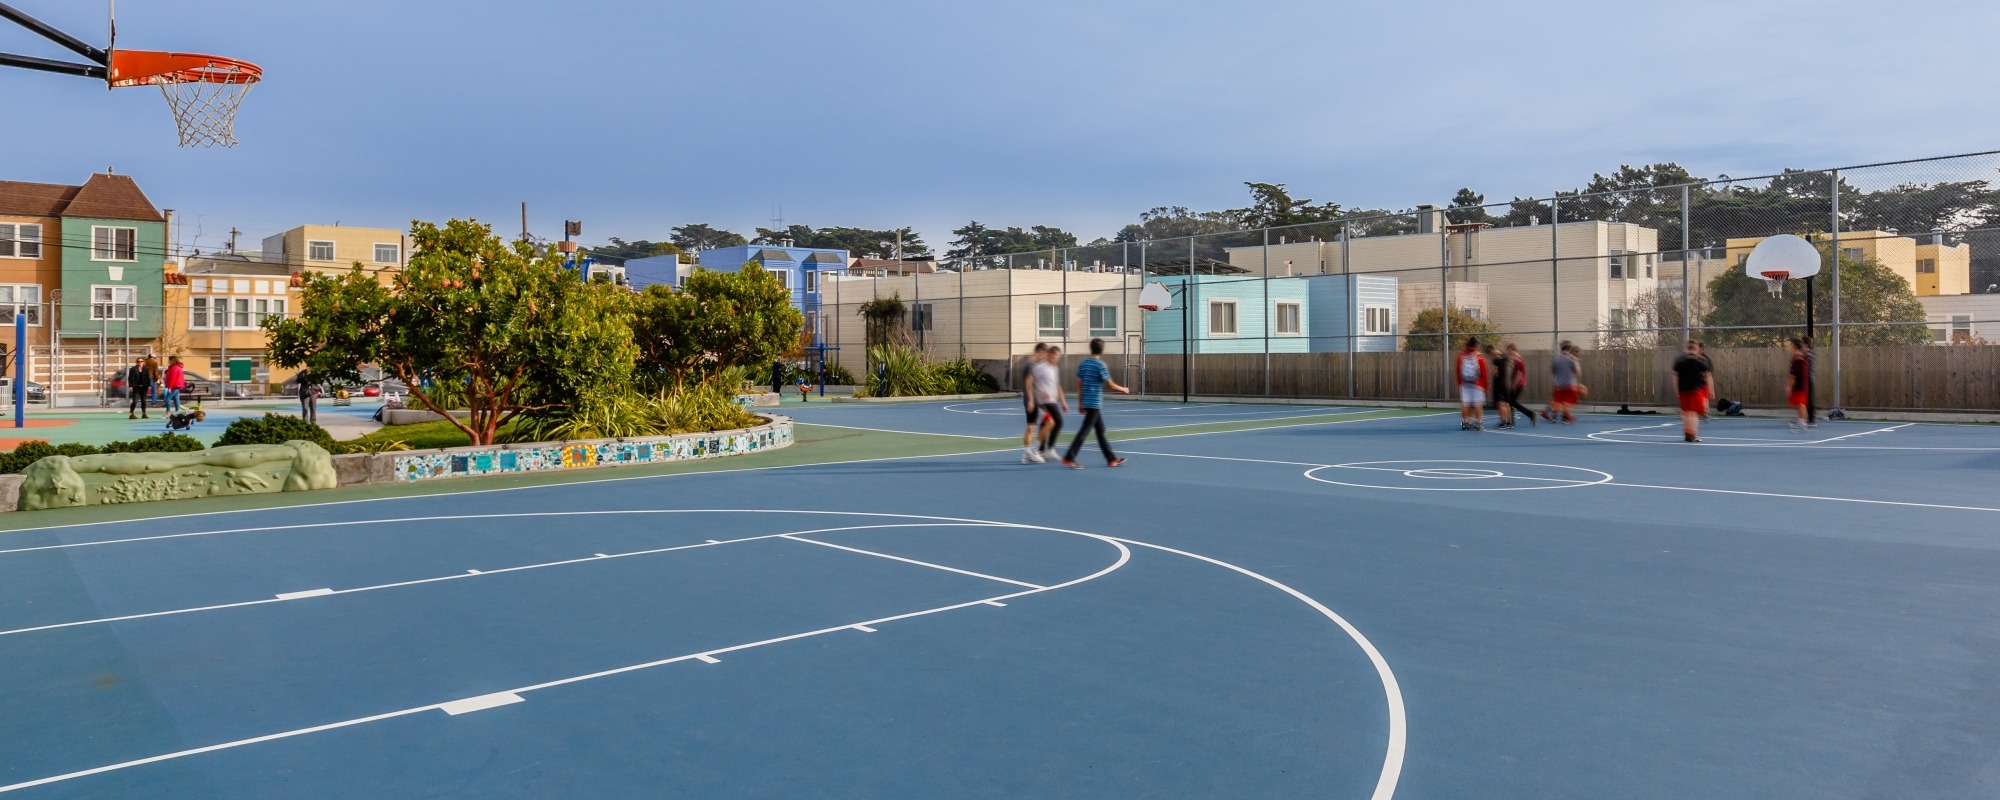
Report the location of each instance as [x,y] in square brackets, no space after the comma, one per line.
[1963,318]
[31,255]
[1926,261]
[643,272]
[216,307]
[336,249]
[799,268]
[1232,315]
[1579,278]
[988,316]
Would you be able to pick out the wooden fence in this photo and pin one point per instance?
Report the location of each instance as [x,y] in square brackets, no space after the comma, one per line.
[1906,378]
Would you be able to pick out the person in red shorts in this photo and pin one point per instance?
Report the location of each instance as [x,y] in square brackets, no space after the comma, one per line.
[1797,391]
[1566,384]
[1694,378]
[1473,380]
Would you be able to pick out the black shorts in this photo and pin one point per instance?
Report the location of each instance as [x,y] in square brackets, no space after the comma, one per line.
[1052,411]
[1034,414]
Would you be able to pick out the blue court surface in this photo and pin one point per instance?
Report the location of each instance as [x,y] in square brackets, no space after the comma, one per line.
[1345,606]
[1005,419]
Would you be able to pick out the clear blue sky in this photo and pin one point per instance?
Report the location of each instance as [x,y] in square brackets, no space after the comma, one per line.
[637,116]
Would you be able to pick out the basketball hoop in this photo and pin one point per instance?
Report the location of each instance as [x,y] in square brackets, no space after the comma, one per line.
[203,91]
[1774,280]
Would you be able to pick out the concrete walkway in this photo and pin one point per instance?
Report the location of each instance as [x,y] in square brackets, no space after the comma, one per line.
[98,426]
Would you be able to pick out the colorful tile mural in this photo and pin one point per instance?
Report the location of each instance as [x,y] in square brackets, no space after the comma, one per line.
[584,455]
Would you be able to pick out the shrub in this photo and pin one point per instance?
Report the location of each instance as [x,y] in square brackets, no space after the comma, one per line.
[28,453]
[19,459]
[163,443]
[905,372]
[274,429]
[837,375]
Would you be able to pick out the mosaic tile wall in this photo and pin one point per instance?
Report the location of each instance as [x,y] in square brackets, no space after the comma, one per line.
[466,462]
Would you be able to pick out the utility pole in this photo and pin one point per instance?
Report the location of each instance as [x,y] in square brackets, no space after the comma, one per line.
[524,220]
[233,233]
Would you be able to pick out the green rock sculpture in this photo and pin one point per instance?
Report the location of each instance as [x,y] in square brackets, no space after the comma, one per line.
[62,481]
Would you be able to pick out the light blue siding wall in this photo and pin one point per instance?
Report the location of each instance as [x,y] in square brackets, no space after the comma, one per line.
[731,259]
[1334,318]
[1254,315]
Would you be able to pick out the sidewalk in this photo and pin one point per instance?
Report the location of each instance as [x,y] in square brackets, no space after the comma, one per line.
[98,426]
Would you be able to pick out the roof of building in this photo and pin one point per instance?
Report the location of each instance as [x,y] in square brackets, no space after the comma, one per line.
[233,264]
[773,254]
[104,196]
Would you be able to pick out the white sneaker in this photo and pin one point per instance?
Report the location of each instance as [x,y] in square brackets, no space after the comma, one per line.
[1795,427]
[1049,454]
[1032,457]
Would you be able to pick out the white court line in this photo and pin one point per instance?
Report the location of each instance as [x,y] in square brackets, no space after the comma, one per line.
[913,561]
[595,558]
[707,656]
[1379,469]
[480,703]
[893,430]
[1865,433]
[1815,444]
[864,629]
[1908,503]
[445,491]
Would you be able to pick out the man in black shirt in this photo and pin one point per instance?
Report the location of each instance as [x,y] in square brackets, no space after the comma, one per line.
[1694,379]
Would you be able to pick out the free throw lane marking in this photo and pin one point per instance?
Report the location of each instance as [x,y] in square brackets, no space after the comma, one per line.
[707,659]
[914,561]
[864,629]
[306,593]
[480,703]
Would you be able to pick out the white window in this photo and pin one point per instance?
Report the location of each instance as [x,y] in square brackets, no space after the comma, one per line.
[1103,321]
[388,253]
[1376,321]
[20,240]
[319,250]
[1617,262]
[278,309]
[1852,253]
[812,280]
[920,316]
[1955,328]
[1619,319]
[784,277]
[1222,318]
[1649,265]
[20,298]
[198,318]
[263,307]
[1288,319]
[114,302]
[1926,266]
[114,244]
[1052,322]
[242,316]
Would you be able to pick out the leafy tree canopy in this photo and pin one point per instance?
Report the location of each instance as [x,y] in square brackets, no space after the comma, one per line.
[975,239]
[717,321]
[695,237]
[1869,293]
[1427,327]
[858,242]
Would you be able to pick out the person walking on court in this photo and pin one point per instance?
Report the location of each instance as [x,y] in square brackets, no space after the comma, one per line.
[1050,399]
[1694,378]
[1517,385]
[175,381]
[138,386]
[1503,385]
[1566,384]
[159,386]
[1031,441]
[1812,409]
[1092,378]
[1473,379]
[308,397]
[1797,391]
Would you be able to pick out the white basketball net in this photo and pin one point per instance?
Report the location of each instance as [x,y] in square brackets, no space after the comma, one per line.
[205,111]
[1776,286]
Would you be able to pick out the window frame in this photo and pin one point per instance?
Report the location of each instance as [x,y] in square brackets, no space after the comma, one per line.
[1368,327]
[396,253]
[1855,254]
[783,276]
[32,309]
[97,307]
[97,254]
[1298,315]
[1042,330]
[1101,331]
[331,253]
[923,317]
[16,243]
[239,314]
[1614,262]
[1927,266]
[1235,319]
[198,313]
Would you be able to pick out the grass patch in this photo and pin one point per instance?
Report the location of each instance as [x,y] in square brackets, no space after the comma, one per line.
[420,436]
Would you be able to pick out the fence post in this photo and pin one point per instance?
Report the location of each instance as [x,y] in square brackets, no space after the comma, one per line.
[1444,303]
[1269,311]
[1687,281]
[1142,321]
[1555,273]
[1187,374]
[1834,322]
[1354,327]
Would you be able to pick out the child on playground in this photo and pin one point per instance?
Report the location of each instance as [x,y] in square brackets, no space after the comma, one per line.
[1092,378]
[1472,382]
[1566,384]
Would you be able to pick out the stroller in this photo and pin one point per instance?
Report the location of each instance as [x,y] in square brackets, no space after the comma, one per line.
[185,419]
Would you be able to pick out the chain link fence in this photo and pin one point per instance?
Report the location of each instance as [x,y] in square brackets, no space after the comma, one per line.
[1906,309]
[76,351]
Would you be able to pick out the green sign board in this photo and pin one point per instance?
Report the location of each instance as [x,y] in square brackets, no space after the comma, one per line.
[239,370]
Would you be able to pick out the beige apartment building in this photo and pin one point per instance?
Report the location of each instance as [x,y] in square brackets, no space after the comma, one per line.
[215,311]
[335,249]
[1931,266]
[986,315]
[1504,275]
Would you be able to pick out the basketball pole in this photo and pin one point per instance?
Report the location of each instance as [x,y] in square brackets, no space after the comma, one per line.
[1812,407]
[21,370]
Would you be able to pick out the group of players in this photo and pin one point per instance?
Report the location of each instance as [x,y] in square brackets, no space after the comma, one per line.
[1042,393]
[1504,374]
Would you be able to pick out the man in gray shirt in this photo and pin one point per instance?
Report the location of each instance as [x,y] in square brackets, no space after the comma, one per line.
[1047,384]
[1565,390]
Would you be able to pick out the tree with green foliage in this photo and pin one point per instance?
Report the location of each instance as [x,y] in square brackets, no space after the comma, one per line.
[1426,330]
[511,331]
[975,239]
[1272,206]
[695,237]
[719,320]
[1869,293]
[621,250]
[858,242]
[1468,206]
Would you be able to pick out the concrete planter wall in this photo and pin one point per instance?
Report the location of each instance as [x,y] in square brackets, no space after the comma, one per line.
[464,462]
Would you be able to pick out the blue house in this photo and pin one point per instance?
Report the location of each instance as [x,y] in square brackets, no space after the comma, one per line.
[798,268]
[1239,314]
[643,272]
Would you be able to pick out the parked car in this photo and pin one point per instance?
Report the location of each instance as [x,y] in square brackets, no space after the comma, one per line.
[36,394]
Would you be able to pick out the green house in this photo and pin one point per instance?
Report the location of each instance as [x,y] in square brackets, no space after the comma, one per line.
[114,248]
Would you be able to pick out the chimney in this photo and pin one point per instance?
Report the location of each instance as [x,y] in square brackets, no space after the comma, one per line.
[1937,237]
[1429,219]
